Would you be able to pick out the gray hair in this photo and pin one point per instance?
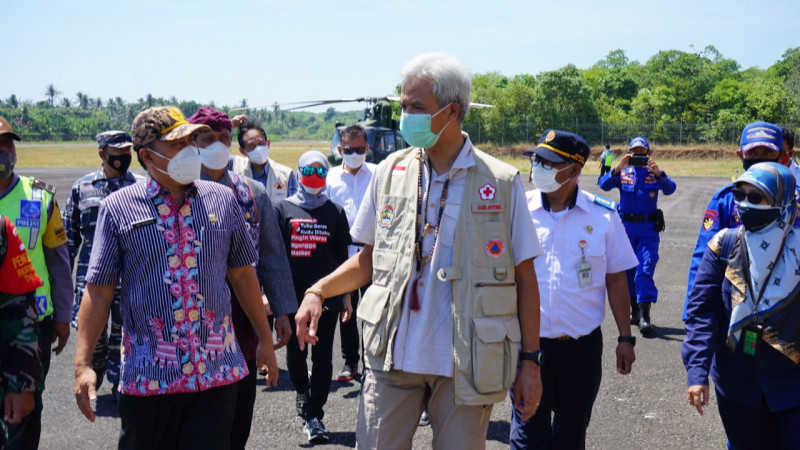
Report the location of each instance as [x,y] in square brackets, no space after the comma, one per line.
[451,78]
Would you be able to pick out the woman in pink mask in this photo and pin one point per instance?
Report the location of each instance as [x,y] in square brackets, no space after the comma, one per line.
[316,234]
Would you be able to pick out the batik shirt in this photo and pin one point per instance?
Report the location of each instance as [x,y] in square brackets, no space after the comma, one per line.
[80,219]
[176,307]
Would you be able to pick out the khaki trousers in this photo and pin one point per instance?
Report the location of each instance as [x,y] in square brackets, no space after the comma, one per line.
[391,403]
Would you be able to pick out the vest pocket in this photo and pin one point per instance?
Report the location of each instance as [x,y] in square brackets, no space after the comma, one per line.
[497,299]
[494,342]
[372,311]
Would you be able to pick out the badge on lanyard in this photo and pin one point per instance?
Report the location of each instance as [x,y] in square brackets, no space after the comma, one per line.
[752,334]
[584,268]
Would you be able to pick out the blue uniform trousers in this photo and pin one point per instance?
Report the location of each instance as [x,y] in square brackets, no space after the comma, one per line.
[571,373]
[757,428]
[644,240]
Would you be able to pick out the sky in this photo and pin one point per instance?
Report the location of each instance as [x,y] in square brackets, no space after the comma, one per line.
[297,50]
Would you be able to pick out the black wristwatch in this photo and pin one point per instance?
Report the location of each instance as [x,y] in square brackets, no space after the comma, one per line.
[631,339]
[532,356]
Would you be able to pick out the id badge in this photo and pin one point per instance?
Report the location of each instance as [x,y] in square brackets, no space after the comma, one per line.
[750,337]
[584,274]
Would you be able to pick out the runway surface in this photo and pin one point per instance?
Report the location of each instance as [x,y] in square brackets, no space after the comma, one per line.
[646,409]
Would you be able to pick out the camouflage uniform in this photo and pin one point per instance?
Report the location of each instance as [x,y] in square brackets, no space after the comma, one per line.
[20,358]
[80,218]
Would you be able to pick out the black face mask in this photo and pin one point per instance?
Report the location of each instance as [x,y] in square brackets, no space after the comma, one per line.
[7,162]
[119,163]
[754,219]
[746,163]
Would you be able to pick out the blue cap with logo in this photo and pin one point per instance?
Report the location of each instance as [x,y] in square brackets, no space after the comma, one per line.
[558,146]
[761,134]
[639,141]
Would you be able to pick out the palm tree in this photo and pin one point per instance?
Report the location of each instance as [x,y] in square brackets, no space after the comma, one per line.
[12,101]
[65,102]
[51,92]
[150,100]
[243,103]
[83,100]
[98,103]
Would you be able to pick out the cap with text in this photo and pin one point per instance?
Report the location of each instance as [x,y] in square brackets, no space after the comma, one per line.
[639,141]
[761,134]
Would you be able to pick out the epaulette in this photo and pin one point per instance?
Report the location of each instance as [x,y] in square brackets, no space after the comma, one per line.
[37,183]
[605,202]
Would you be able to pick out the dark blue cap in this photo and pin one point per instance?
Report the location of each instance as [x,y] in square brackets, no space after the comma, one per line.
[117,139]
[762,134]
[558,146]
[639,141]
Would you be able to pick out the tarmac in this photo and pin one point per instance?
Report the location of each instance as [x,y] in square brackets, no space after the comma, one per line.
[646,409]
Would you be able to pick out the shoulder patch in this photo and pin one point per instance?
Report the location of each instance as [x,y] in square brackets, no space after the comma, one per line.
[42,185]
[605,202]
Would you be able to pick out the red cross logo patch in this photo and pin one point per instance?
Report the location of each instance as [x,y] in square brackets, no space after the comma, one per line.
[487,192]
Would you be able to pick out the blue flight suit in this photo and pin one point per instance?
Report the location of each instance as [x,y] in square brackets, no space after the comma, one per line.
[722,212]
[638,200]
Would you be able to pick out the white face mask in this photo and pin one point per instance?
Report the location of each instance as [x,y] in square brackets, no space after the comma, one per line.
[215,156]
[185,166]
[545,179]
[259,154]
[354,160]
[312,191]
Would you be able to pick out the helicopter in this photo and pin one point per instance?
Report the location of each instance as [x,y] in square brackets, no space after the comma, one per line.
[383,130]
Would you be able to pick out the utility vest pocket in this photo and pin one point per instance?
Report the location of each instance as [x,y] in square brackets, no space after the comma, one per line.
[372,310]
[494,340]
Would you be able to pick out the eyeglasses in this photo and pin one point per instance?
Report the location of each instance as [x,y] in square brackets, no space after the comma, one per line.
[351,150]
[307,171]
[753,197]
[537,161]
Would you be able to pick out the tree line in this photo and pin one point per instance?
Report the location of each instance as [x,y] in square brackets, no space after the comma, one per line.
[674,96]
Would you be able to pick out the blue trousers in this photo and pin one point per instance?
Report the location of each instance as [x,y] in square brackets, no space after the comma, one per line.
[571,373]
[644,240]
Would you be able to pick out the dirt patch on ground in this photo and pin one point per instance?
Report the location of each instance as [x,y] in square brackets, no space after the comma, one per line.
[710,151]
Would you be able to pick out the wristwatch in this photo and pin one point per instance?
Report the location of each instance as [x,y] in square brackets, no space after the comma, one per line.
[535,356]
[631,339]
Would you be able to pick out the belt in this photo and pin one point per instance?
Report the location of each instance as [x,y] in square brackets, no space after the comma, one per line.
[638,217]
[567,337]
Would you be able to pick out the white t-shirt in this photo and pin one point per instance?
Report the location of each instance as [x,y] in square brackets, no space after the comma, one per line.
[424,340]
[348,190]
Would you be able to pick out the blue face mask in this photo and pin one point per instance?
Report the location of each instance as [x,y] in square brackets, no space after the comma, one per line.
[416,129]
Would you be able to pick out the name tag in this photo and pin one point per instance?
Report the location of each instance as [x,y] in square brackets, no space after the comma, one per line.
[143,223]
[487,207]
[584,275]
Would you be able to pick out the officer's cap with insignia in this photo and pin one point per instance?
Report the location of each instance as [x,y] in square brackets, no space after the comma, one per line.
[558,146]
[761,134]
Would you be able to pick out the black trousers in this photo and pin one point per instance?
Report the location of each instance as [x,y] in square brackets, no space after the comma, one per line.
[243,415]
[178,421]
[757,428]
[321,364]
[25,435]
[571,373]
[351,344]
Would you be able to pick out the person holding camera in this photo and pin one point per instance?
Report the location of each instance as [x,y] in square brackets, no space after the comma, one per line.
[639,178]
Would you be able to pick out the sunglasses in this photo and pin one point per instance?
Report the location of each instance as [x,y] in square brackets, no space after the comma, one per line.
[351,150]
[307,171]
[753,197]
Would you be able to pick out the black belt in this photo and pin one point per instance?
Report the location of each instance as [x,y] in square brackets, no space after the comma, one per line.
[639,217]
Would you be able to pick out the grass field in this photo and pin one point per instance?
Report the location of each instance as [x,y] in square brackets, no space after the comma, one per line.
[84,154]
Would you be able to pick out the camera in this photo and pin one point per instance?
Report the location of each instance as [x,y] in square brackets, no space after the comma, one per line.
[637,160]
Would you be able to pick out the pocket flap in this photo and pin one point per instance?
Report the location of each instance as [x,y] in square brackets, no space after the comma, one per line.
[373,303]
[512,330]
[489,330]
[384,259]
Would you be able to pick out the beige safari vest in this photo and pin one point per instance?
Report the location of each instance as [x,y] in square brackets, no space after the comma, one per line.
[277,178]
[486,329]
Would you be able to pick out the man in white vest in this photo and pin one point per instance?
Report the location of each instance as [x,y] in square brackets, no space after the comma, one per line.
[449,248]
[280,180]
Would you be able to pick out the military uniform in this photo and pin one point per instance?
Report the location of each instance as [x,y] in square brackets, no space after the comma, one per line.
[20,366]
[80,219]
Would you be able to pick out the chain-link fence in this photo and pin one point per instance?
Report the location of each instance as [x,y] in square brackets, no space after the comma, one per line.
[528,132]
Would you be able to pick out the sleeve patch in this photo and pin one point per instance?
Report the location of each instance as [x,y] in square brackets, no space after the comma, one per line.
[710,219]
